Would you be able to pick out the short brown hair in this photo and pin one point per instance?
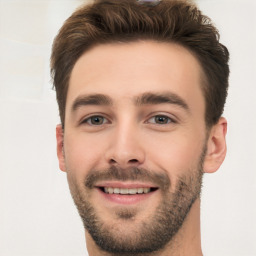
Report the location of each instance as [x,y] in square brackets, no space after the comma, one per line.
[174,21]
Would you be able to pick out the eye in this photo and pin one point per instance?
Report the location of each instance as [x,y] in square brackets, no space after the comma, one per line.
[161,119]
[95,120]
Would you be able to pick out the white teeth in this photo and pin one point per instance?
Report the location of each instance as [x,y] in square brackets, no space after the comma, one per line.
[146,190]
[132,191]
[116,190]
[126,191]
[140,190]
[110,190]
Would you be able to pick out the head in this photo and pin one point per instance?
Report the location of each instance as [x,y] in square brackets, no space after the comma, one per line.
[141,89]
[171,21]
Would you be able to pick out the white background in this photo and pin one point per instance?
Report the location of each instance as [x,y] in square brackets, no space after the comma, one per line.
[37,215]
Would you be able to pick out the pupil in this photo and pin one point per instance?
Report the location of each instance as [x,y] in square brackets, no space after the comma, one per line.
[161,119]
[97,120]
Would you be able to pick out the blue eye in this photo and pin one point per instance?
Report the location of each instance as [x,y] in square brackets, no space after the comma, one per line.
[95,120]
[160,119]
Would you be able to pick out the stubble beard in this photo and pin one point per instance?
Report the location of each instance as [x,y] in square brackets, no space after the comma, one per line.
[152,234]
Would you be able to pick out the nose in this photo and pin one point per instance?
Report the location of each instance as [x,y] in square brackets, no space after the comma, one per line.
[125,148]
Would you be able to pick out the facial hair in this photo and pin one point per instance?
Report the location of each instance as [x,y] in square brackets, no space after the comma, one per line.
[152,234]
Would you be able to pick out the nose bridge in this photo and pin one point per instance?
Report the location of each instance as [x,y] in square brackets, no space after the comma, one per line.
[126,148]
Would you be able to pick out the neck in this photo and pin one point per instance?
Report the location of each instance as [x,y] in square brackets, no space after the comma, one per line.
[187,242]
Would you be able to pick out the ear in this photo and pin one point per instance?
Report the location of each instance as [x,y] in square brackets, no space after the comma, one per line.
[216,146]
[60,147]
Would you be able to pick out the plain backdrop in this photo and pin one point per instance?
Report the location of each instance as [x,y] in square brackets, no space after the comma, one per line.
[37,215]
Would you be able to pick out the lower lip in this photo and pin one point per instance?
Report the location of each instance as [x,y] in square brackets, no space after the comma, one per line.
[126,199]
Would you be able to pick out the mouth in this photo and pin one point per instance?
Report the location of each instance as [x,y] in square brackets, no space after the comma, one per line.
[125,194]
[127,191]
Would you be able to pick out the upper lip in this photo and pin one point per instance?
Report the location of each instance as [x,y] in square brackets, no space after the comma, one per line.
[118,184]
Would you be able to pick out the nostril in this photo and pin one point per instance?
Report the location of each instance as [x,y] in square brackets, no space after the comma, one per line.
[112,161]
[124,163]
[133,161]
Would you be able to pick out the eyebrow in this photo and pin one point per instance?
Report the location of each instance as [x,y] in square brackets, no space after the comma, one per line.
[92,99]
[160,98]
[148,98]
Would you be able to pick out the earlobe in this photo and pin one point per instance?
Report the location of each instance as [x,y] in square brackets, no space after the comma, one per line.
[216,147]
[60,149]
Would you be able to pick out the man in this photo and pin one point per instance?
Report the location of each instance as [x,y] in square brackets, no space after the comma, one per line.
[141,87]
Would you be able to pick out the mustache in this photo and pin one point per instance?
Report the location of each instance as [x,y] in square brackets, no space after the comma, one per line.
[129,174]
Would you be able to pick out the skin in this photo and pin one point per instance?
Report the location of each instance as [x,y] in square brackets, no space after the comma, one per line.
[130,136]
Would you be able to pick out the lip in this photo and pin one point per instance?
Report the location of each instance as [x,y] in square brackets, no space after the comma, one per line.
[118,184]
[125,199]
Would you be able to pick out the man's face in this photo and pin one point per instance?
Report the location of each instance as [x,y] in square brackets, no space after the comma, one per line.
[134,142]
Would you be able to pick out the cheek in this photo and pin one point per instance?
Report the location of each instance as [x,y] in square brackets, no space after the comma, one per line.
[82,153]
[176,155]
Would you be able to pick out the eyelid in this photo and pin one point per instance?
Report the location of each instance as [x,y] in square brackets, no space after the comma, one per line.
[85,119]
[172,119]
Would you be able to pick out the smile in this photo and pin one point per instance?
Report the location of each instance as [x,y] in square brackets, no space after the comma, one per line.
[127,191]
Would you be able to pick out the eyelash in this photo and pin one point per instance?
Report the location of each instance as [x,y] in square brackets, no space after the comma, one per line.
[169,120]
[86,121]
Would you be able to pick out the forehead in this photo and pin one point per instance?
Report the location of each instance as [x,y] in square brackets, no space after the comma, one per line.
[125,70]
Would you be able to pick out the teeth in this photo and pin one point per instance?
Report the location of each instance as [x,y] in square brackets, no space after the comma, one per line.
[126,191]
[132,191]
[110,190]
[123,191]
[116,190]
[146,190]
[140,190]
